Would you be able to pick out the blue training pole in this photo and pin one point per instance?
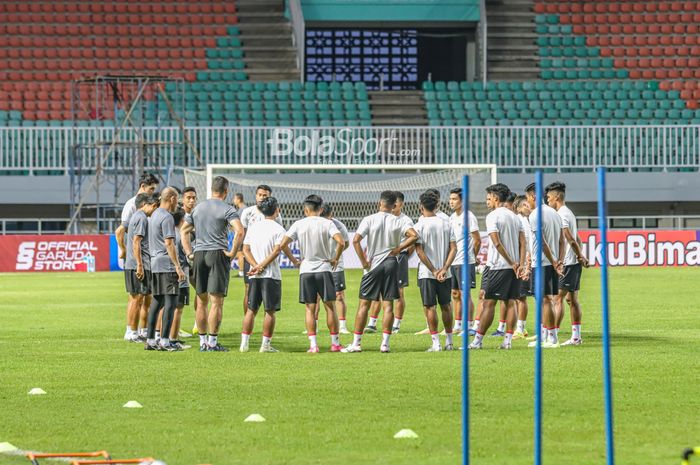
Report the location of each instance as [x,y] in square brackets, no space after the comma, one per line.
[539,291]
[466,289]
[607,377]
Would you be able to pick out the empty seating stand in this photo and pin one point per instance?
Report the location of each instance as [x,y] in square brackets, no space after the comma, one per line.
[45,45]
[636,39]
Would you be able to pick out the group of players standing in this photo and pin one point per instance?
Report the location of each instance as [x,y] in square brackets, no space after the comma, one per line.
[169,243]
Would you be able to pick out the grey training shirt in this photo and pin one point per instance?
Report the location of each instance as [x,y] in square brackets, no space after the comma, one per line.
[161,227]
[138,226]
[211,219]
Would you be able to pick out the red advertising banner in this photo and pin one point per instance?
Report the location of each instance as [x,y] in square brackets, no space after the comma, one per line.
[644,248]
[54,253]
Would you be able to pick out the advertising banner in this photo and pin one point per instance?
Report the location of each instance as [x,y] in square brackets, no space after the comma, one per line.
[644,248]
[54,253]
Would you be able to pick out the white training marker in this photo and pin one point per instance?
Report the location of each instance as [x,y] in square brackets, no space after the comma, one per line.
[406,434]
[36,392]
[6,447]
[133,404]
[254,418]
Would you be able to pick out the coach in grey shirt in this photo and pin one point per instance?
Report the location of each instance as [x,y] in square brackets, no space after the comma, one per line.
[212,259]
[166,272]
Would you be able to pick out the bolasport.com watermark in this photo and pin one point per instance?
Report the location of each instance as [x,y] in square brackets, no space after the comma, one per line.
[341,144]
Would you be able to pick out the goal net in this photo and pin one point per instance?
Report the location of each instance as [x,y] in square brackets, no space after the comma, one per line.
[352,190]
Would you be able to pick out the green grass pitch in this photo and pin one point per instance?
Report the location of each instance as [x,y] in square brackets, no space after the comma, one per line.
[63,333]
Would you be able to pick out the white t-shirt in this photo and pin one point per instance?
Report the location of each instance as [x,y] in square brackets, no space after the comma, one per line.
[346,237]
[384,232]
[313,234]
[456,221]
[568,220]
[251,215]
[128,210]
[435,235]
[551,230]
[262,238]
[528,233]
[503,221]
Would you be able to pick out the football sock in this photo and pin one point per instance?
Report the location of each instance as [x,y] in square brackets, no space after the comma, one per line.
[521,326]
[576,330]
[372,322]
[448,338]
[335,339]
[435,338]
[509,337]
[266,340]
[501,325]
[312,341]
[478,337]
[357,339]
[458,325]
[202,339]
[385,338]
[213,340]
[397,323]
[245,339]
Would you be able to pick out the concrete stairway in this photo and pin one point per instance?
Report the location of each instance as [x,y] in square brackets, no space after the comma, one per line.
[512,53]
[398,108]
[267,41]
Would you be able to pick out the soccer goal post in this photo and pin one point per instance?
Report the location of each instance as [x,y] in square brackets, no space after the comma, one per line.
[352,190]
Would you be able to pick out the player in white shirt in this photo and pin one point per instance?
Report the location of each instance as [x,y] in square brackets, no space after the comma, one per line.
[553,248]
[339,272]
[506,258]
[403,259]
[522,209]
[442,216]
[436,248]
[251,215]
[501,330]
[384,232]
[261,247]
[147,185]
[574,260]
[473,247]
[318,261]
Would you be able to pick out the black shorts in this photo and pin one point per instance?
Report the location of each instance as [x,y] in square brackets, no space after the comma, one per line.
[314,285]
[165,284]
[456,280]
[212,270]
[267,291]
[433,292]
[183,297]
[526,287]
[135,286]
[484,278]
[571,280]
[402,269]
[501,285]
[382,282]
[246,269]
[339,281]
[551,280]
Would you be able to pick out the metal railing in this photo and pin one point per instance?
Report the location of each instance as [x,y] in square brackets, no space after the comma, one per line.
[515,148]
[55,225]
[299,34]
[109,225]
[483,40]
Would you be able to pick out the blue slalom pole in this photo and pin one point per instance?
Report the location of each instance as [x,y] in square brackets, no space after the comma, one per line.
[539,295]
[607,377]
[466,290]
